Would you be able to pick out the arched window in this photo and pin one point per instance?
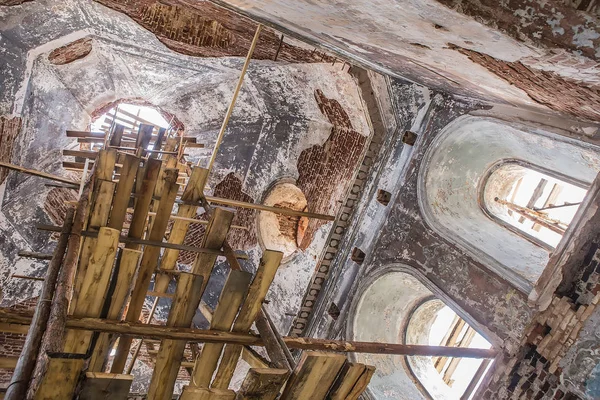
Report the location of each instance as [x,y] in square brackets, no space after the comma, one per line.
[398,308]
[433,323]
[536,204]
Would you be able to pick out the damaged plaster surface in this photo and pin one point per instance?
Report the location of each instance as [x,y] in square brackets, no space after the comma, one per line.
[454,172]
[276,119]
[412,39]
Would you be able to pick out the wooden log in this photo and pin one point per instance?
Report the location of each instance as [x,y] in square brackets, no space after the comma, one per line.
[94,287]
[102,386]
[60,380]
[313,376]
[208,336]
[232,296]
[269,264]
[17,389]
[40,174]
[262,384]
[55,330]
[346,380]
[170,354]
[148,264]
[361,384]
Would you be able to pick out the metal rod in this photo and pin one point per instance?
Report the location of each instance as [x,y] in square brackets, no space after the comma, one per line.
[560,206]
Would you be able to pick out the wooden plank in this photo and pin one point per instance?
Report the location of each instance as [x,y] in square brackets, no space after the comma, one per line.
[60,380]
[123,191]
[194,393]
[269,264]
[262,384]
[464,342]
[106,164]
[94,287]
[535,196]
[144,136]
[347,379]
[313,376]
[362,383]
[90,140]
[230,300]
[14,328]
[98,218]
[168,359]
[8,362]
[85,134]
[124,281]
[117,135]
[145,186]
[80,153]
[192,192]
[39,174]
[148,262]
[102,386]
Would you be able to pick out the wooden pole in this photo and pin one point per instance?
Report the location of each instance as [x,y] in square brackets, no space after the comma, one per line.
[17,389]
[276,210]
[212,336]
[234,99]
[55,330]
[40,174]
[33,254]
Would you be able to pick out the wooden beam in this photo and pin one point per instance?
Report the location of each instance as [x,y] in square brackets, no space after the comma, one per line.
[34,172]
[123,191]
[264,384]
[85,134]
[361,383]
[232,296]
[208,336]
[36,255]
[128,240]
[195,393]
[8,363]
[313,376]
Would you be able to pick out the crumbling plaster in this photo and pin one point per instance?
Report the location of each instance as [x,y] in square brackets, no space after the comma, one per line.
[414,39]
[275,119]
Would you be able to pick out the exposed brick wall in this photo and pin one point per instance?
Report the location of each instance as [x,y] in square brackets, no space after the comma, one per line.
[326,171]
[173,23]
[71,52]
[55,204]
[11,344]
[544,87]
[536,373]
[231,188]
[9,130]
[185,27]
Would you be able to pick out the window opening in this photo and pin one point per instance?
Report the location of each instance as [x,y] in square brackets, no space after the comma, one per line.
[537,204]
